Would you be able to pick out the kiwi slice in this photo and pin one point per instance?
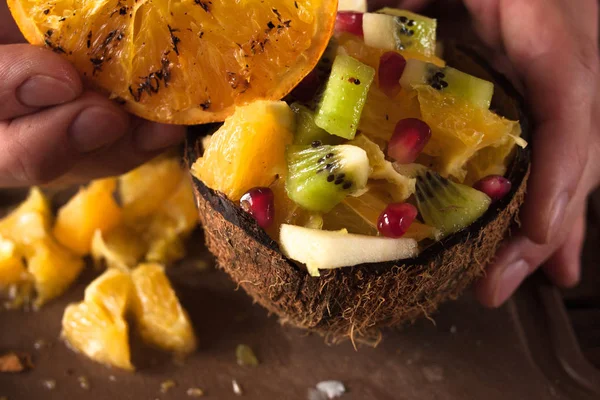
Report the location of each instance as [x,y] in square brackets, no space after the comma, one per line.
[476,91]
[391,29]
[345,95]
[307,132]
[447,205]
[321,176]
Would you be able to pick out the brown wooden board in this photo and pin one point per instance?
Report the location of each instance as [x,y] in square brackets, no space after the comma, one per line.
[470,353]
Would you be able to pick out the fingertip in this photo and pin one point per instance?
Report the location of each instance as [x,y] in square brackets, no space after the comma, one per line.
[41,147]
[151,136]
[482,292]
[520,256]
[564,267]
[44,91]
[500,284]
[32,78]
[541,227]
[27,60]
[97,126]
[558,177]
[562,275]
[485,287]
[505,274]
[125,154]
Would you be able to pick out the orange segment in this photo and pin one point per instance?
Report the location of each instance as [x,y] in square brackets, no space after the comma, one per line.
[185,62]
[54,269]
[143,190]
[12,268]
[285,208]
[29,222]
[360,215]
[460,130]
[172,223]
[400,187]
[356,48]
[248,150]
[91,329]
[121,248]
[381,114]
[92,208]
[96,326]
[492,160]
[112,290]
[51,268]
[178,213]
[419,231]
[159,212]
[161,319]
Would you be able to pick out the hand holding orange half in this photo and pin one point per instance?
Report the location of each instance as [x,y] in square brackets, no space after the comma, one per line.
[52,127]
[188,64]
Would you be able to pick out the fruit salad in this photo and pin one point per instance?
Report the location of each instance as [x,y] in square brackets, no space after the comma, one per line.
[379,152]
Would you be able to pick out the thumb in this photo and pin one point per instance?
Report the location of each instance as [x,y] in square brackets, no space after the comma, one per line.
[560,86]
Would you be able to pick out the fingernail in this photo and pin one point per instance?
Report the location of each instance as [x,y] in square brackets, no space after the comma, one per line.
[96,127]
[510,279]
[157,136]
[558,214]
[43,91]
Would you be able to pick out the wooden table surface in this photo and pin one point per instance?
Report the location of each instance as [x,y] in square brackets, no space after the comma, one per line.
[469,353]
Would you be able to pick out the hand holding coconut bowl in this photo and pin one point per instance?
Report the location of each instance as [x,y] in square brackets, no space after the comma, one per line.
[352,171]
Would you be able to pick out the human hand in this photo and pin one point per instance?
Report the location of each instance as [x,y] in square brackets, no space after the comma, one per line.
[553,47]
[54,130]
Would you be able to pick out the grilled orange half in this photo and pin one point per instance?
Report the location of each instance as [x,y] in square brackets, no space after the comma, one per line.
[187,61]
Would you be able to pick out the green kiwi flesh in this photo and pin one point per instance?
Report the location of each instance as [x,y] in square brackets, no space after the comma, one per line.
[447,205]
[345,95]
[307,132]
[321,176]
[392,29]
[476,91]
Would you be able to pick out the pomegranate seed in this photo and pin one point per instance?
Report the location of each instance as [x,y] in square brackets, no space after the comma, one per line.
[308,87]
[495,186]
[395,220]
[391,67]
[409,138]
[349,21]
[260,203]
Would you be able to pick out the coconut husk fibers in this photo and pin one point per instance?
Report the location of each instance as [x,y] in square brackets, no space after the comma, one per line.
[354,302]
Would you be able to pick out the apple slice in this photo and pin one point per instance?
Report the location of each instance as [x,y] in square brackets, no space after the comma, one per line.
[352,5]
[334,249]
